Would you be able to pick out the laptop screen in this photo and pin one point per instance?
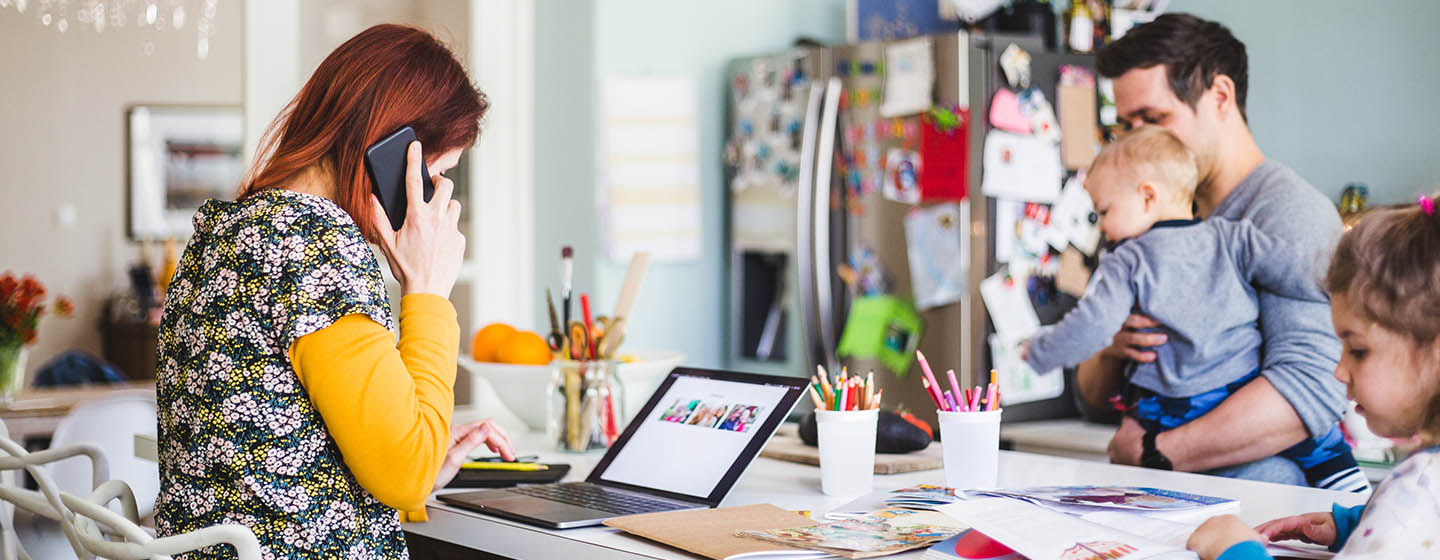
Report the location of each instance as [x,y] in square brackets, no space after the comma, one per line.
[698,431]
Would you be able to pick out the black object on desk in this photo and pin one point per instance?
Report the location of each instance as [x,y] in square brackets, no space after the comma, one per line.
[484,478]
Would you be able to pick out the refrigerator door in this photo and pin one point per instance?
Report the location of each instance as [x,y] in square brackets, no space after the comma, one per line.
[768,157]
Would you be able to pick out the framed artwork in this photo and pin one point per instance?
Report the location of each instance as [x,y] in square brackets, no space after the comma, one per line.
[177,157]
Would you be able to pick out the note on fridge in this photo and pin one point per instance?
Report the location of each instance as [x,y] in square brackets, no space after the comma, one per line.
[1074,214]
[909,77]
[1008,302]
[1021,382]
[1007,223]
[1023,168]
[935,241]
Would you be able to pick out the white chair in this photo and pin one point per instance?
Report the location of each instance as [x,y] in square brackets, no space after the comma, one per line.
[110,423]
[88,524]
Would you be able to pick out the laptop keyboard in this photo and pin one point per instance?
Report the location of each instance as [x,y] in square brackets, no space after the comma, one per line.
[596,498]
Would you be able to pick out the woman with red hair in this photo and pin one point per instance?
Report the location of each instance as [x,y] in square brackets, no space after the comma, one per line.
[286,404]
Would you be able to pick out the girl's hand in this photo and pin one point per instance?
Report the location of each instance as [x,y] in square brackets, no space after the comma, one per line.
[464,439]
[425,254]
[1218,534]
[1314,528]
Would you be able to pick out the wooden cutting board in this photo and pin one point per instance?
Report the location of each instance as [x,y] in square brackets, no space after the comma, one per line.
[786,446]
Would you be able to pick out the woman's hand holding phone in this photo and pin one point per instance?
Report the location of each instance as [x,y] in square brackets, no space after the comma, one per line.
[426,252]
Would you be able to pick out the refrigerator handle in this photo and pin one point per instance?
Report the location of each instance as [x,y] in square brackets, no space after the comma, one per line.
[804,241]
[824,163]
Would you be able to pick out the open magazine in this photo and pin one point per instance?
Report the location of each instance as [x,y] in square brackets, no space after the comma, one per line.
[923,497]
[879,533]
[1151,502]
[1036,532]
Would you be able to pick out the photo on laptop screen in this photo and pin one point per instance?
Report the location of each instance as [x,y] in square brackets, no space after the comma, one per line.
[694,434]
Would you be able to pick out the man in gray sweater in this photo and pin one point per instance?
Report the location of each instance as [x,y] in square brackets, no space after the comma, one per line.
[1195,278]
[1189,75]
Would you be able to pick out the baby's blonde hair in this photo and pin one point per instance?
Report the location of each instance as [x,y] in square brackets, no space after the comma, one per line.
[1151,153]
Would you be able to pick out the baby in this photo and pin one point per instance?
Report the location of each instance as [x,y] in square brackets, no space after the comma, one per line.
[1192,276]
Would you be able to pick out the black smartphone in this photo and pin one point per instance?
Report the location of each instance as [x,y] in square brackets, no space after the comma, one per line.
[385,162]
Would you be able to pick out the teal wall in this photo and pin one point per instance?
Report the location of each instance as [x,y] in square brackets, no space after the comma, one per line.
[1342,91]
[564,145]
[682,306]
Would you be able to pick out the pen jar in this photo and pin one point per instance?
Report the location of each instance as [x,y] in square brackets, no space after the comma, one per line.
[585,405]
[970,443]
[847,450]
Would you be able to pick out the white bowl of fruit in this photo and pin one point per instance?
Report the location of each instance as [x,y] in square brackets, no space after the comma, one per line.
[516,364]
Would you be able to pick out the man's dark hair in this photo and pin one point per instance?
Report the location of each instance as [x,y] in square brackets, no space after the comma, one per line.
[1193,50]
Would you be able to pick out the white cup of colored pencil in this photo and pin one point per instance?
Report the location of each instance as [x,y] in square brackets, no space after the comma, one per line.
[845,424]
[969,429]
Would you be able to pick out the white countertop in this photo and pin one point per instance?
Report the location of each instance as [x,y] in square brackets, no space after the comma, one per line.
[797,487]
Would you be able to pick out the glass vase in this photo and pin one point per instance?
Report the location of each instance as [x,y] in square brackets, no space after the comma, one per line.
[12,372]
[585,405]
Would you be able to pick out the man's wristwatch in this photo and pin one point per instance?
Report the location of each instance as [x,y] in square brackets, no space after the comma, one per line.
[1151,457]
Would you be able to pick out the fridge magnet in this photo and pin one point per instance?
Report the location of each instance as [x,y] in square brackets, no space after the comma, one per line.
[935,245]
[944,146]
[902,176]
[909,77]
[1041,114]
[1022,168]
[872,276]
[1015,63]
[1005,113]
[1074,215]
[883,328]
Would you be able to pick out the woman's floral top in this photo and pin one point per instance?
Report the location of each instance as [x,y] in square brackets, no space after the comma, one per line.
[240,441]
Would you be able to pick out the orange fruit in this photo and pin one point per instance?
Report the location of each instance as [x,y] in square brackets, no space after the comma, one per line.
[524,347]
[486,345]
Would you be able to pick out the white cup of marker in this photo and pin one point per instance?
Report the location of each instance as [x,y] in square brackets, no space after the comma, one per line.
[969,429]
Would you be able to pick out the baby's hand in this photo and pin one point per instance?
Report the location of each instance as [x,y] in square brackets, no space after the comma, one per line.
[1314,528]
[1218,534]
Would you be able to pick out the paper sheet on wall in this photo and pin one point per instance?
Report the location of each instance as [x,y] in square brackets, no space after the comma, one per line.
[909,77]
[1007,222]
[1008,303]
[934,240]
[648,168]
[1023,168]
[1022,383]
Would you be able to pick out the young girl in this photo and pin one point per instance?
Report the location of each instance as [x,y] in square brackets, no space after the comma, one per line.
[1384,284]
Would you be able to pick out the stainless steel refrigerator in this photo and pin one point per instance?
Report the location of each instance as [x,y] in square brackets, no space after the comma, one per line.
[793,218]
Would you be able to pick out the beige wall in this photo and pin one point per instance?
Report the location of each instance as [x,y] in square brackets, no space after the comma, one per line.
[62,107]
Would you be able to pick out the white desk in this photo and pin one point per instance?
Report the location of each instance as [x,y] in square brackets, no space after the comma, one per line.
[797,487]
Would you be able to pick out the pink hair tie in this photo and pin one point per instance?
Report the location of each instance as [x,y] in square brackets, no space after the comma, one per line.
[1427,205]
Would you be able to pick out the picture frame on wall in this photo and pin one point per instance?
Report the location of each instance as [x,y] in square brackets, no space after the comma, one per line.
[177,157]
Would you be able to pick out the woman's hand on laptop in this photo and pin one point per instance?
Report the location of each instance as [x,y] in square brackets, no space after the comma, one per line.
[465,438]
[1130,344]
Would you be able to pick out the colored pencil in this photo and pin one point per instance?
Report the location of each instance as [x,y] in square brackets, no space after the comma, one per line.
[869,388]
[934,386]
[876,403]
[975,400]
[815,396]
[950,400]
[824,383]
[954,385]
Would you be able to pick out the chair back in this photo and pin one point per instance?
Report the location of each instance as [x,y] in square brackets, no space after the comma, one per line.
[109,422]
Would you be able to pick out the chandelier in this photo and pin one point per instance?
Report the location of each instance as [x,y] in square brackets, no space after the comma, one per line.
[99,15]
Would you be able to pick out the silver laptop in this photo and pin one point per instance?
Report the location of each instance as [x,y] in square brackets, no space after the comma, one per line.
[684,450]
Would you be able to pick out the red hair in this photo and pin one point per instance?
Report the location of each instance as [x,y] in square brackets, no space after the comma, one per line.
[386,77]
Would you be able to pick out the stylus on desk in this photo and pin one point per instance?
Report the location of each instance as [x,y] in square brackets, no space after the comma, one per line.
[478,465]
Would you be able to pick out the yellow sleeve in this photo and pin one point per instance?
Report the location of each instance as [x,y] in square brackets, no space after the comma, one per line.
[388,406]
